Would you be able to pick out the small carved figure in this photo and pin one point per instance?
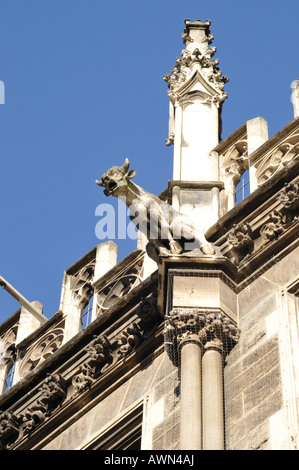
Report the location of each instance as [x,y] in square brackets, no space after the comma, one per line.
[273,228]
[165,228]
[289,197]
[241,242]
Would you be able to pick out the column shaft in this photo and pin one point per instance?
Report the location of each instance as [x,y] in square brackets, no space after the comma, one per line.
[213,408]
[191,415]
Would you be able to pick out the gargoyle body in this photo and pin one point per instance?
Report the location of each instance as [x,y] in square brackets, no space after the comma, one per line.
[166,229]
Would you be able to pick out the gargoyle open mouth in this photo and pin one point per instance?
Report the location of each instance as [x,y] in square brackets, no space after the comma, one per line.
[110,188]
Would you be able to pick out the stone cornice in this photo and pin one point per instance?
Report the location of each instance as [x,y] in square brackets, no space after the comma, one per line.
[77,343]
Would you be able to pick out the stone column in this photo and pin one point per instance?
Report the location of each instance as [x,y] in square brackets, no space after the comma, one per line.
[212,395]
[202,339]
[191,414]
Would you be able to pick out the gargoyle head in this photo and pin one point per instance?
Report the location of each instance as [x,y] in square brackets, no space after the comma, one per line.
[116,180]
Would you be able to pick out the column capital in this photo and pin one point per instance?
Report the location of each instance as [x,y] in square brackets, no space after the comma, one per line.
[212,329]
[215,345]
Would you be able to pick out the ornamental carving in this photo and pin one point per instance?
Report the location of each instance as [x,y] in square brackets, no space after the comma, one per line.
[99,350]
[84,377]
[274,227]
[14,427]
[53,392]
[9,429]
[103,352]
[184,69]
[128,339]
[289,197]
[240,239]
[100,357]
[183,324]
[235,161]
[196,63]
[41,350]
[119,287]
[8,347]
[81,285]
[277,159]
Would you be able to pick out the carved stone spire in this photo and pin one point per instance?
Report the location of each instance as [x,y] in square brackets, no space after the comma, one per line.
[196,92]
[197,57]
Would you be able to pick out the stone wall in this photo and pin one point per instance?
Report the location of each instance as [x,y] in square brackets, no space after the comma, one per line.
[260,373]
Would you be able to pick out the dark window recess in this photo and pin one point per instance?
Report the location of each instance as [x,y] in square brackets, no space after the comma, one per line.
[123,435]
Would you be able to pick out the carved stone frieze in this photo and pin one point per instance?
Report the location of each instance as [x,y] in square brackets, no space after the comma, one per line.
[14,427]
[84,377]
[104,353]
[274,227]
[53,392]
[240,239]
[9,429]
[99,357]
[128,339]
[99,350]
[289,197]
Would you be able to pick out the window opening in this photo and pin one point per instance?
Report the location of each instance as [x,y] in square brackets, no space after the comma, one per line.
[10,376]
[86,314]
[242,189]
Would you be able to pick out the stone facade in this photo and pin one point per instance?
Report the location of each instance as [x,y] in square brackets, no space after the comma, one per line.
[187,349]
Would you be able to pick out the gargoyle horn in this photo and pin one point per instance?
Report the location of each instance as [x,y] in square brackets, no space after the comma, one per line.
[100,183]
[126,165]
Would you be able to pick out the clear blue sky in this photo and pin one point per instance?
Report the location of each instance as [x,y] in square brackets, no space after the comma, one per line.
[84,89]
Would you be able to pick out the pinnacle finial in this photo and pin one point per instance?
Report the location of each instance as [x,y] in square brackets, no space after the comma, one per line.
[197,56]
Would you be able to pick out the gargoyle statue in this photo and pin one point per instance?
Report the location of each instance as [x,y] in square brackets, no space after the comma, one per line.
[166,230]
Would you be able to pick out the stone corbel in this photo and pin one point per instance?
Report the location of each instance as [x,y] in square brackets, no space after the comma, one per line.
[84,377]
[14,427]
[129,338]
[9,429]
[289,197]
[53,393]
[103,353]
[100,357]
[274,227]
[240,239]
